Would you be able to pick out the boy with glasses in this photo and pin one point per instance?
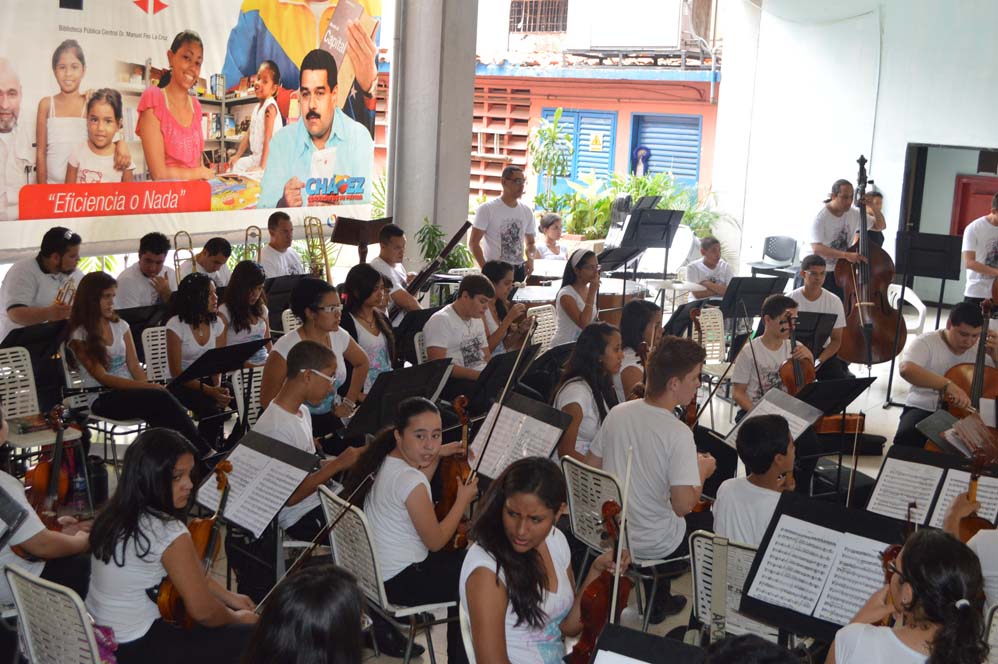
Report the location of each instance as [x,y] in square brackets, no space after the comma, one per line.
[812,297]
[506,225]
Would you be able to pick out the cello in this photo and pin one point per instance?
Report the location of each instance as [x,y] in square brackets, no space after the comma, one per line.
[977,380]
[205,535]
[870,320]
[454,471]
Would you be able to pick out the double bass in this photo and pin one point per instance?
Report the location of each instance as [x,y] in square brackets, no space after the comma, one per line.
[868,337]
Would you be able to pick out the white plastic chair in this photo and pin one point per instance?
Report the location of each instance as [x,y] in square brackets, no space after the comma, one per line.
[52,620]
[991,632]
[588,489]
[20,399]
[255,376]
[714,365]
[911,297]
[469,644]
[547,324]
[289,321]
[463,271]
[354,551]
[420,344]
[154,347]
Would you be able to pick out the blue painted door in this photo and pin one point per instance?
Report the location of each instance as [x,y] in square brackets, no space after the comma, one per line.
[673,142]
[593,136]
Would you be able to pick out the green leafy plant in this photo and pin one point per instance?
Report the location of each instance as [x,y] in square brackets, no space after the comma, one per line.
[432,240]
[109,264]
[379,196]
[550,150]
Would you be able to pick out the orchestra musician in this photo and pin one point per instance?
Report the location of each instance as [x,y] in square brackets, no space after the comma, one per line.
[211,260]
[980,255]
[984,544]
[365,293]
[388,262]
[506,225]
[668,473]
[277,257]
[409,539]
[244,310]
[457,332]
[926,361]
[576,303]
[29,289]
[501,315]
[148,281]
[551,248]
[710,270]
[812,297]
[640,323]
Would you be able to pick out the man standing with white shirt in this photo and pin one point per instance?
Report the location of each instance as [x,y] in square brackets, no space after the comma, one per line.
[980,255]
[278,258]
[506,225]
[149,281]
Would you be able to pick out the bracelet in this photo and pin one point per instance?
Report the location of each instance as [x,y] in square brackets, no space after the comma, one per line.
[349,403]
[943,389]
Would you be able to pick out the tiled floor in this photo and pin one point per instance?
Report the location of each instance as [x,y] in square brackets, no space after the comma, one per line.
[879,421]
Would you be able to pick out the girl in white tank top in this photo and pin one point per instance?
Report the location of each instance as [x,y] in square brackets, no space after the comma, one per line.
[61,123]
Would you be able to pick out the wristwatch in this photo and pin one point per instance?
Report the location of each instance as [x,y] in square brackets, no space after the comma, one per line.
[370,92]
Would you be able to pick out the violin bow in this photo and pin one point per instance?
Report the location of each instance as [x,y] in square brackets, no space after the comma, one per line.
[855,460]
[502,398]
[620,536]
[314,544]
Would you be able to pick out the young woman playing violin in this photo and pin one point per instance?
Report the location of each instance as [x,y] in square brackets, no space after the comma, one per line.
[640,323]
[138,539]
[936,596]
[517,582]
[409,538]
[984,543]
[501,316]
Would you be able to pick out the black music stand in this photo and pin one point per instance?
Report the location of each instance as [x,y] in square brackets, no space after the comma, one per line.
[139,318]
[219,360]
[639,646]
[708,440]
[358,233]
[278,290]
[405,334]
[378,408]
[813,330]
[493,377]
[929,255]
[543,373]
[744,297]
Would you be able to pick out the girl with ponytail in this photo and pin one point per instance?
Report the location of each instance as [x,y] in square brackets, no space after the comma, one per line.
[936,595]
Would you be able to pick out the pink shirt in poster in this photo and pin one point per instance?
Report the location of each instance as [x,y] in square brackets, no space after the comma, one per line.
[183,145]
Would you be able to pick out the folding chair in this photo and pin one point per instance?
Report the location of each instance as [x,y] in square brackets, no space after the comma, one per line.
[547,323]
[289,322]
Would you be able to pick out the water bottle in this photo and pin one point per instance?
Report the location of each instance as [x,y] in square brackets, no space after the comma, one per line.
[78,493]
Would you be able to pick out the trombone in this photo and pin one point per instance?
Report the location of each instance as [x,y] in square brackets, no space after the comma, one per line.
[66,293]
[252,244]
[178,252]
[315,243]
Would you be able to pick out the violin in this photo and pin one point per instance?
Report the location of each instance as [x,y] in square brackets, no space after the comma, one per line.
[795,373]
[595,605]
[868,337]
[206,538]
[977,380]
[454,471]
[47,482]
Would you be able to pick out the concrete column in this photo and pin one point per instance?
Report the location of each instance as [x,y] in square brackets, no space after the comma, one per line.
[435,63]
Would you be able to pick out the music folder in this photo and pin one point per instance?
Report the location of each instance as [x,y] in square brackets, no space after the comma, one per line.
[220,360]
[390,388]
[278,290]
[623,645]
[525,428]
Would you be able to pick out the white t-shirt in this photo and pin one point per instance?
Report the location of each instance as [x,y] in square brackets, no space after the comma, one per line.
[981,238]
[697,272]
[376,348]
[135,289]
[631,359]
[742,510]
[769,362]
[465,341]
[295,429]
[338,342]
[395,537]
[117,596]
[32,526]
[25,284]
[930,351]
[491,325]
[578,391]
[257,330]
[860,643]
[219,277]
[827,303]
[190,349]
[664,456]
[117,358]
[92,167]
[565,328]
[394,272]
[505,228]
[526,644]
[834,232]
[985,545]
[547,254]
[280,264]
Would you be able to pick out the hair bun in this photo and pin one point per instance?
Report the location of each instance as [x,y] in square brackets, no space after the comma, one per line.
[962,603]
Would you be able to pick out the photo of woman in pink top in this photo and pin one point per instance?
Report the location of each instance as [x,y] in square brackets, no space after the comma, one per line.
[170,118]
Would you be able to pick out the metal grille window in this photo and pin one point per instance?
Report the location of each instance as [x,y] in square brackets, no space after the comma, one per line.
[538,15]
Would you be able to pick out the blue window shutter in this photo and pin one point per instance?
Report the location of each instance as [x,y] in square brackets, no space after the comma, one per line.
[674,142]
[587,154]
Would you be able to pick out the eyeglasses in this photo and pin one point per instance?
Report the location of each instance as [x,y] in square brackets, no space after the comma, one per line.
[328,379]
[331,309]
[517,180]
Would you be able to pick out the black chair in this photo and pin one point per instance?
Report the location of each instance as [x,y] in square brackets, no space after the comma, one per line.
[779,253]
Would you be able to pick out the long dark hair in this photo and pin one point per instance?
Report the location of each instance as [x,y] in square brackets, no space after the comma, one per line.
[586,363]
[569,276]
[87,314]
[307,294]
[524,572]
[496,271]
[372,458]
[145,488]
[633,321]
[245,277]
[947,590]
[313,617]
[190,302]
[362,280]
[183,37]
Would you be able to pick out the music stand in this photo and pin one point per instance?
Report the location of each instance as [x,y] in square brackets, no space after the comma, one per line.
[219,360]
[638,646]
[278,290]
[405,333]
[358,233]
[493,377]
[745,295]
[929,255]
[543,373]
[139,318]
[423,380]
[708,440]
[813,330]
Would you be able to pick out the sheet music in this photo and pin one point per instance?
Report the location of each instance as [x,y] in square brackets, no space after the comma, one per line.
[957,482]
[799,415]
[259,487]
[794,567]
[902,482]
[856,574]
[516,436]
[610,657]
[739,564]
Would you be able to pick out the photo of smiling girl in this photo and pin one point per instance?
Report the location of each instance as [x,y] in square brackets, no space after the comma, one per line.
[93,160]
[61,120]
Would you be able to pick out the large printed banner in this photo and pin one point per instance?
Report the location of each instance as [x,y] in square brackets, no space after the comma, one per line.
[104,113]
